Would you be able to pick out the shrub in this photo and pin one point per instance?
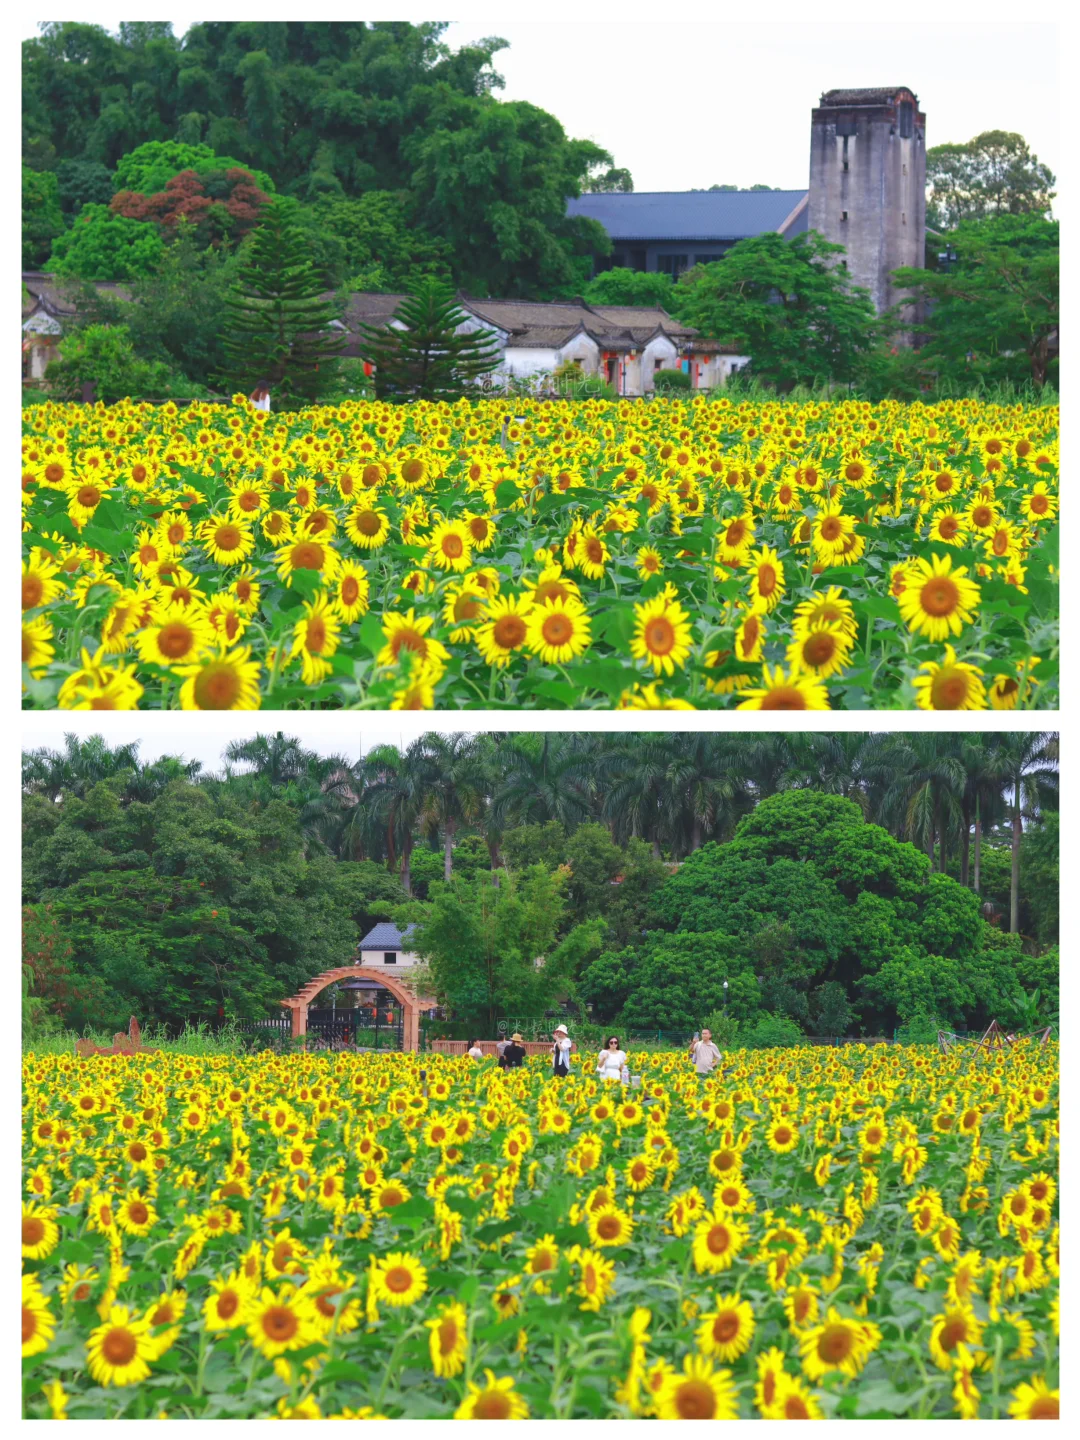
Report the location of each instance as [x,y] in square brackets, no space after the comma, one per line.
[772,1032]
[671,380]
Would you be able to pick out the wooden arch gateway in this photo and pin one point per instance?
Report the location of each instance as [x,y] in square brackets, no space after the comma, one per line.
[410,1005]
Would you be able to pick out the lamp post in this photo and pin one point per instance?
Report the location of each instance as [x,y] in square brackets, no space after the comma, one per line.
[725,997]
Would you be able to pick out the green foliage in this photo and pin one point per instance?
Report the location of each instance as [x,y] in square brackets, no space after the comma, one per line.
[620,286]
[994,174]
[771,1032]
[277,324]
[671,380]
[332,112]
[785,304]
[104,356]
[991,316]
[42,218]
[83,182]
[428,357]
[544,844]
[1040,879]
[174,315]
[670,983]
[149,167]
[104,246]
[369,242]
[922,1029]
[482,939]
[832,1015]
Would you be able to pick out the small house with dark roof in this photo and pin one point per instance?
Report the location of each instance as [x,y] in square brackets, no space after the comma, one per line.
[625,344]
[385,944]
[672,231]
[48,309]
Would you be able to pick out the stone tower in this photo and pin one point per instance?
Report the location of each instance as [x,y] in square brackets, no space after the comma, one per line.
[868,183]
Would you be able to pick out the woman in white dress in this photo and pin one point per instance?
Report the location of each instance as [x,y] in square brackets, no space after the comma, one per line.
[260,397]
[611,1062]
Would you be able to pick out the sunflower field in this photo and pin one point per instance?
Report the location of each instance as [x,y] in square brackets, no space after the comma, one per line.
[856,1232]
[676,554]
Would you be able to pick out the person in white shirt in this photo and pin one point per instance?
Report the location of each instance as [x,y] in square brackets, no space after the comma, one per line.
[475,1053]
[611,1062]
[704,1054]
[560,1052]
[260,397]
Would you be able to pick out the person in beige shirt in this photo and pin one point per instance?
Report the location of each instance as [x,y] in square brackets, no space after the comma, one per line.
[704,1054]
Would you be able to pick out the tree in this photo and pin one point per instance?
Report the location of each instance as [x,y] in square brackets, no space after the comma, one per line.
[219,206]
[1026,763]
[612,181]
[620,286]
[832,1013]
[396,792]
[104,246]
[42,217]
[103,356]
[370,242]
[994,313]
[454,789]
[278,325]
[425,354]
[785,304]
[994,174]
[493,179]
[148,169]
[491,944]
[82,182]
[280,759]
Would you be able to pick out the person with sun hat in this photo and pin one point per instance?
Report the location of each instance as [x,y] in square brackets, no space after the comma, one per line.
[560,1052]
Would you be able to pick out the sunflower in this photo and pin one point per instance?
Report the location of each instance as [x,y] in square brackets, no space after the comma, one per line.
[725,1332]
[350,593]
[494,1400]
[734,540]
[316,556]
[118,1352]
[399,1278]
[717,1241]
[797,691]
[837,1344]
[1040,504]
[450,546]
[464,608]
[1035,1401]
[226,1306]
[448,1341]
[792,1401]
[40,585]
[937,601]
[948,527]
[647,697]
[597,1279]
[782,1135]
[648,562]
[823,650]
[662,635]
[610,1226]
[37,652]
[418,691]
[315,638]
[163,1316]
[225,680]
[952,685]
[558,630]
[277,527]
[700,1392]
[766,580]
[830,532]
[408,632]
[135,1215]
[279,1323]
[174,638]
[832,608]
[226,540]
[38,1325]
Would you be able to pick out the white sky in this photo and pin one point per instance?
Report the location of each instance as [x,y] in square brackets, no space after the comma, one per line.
[692,102]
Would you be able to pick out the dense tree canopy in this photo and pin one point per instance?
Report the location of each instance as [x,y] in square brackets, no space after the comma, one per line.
[335,115]
[822,876]
[993,174]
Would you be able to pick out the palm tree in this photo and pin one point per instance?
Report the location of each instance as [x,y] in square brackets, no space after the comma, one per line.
[541,777]
[279,759]
[455,788]
[981,803]
[396,790]
[77,768]
[922,801]
[1026,765]
[705,792]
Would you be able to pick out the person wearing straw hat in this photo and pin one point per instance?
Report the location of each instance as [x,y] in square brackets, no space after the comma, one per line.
[560,1052]
[514,1053]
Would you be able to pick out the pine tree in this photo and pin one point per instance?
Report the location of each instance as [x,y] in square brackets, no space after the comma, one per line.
[429,359]
[278,326]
